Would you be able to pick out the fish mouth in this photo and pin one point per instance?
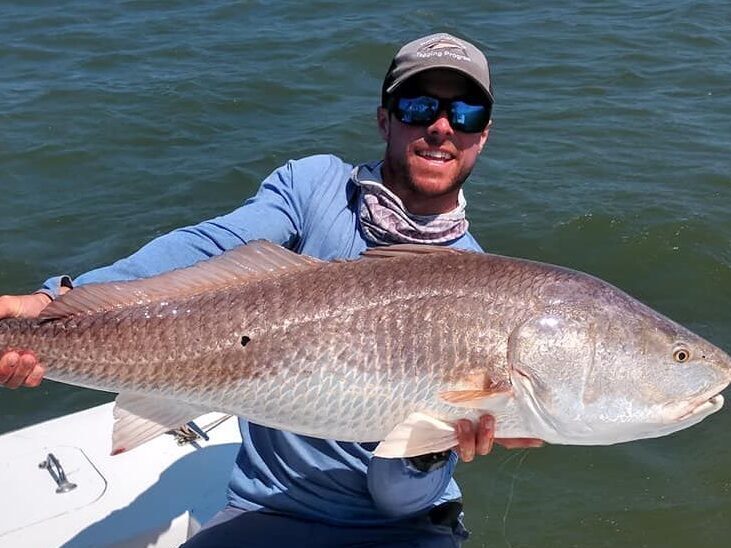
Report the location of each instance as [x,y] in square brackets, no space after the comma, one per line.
[704,408]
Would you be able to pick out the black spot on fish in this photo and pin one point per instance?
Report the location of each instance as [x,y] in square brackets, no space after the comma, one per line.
[245,340]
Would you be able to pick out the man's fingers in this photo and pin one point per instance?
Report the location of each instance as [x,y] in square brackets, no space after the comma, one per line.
[475,439]
[485,434]
[479,438]
[8,362]
[16,373]
[519,443]
[465,440]
[17,369]
[24,367]
[35,377]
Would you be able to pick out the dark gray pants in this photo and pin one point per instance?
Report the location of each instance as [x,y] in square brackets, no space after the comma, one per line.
[233,527]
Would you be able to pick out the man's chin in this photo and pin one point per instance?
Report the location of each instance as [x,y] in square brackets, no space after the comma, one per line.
[416,183]
[433,184]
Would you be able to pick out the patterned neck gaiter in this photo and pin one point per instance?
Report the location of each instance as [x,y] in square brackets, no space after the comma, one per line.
[384,219]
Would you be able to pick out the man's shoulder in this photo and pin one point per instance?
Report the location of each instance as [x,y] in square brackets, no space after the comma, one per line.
[320,164]
[322,179]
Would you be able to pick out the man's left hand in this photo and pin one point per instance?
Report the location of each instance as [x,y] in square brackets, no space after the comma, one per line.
[479,439]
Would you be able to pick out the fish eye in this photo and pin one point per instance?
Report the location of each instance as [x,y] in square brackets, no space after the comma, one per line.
[681,354]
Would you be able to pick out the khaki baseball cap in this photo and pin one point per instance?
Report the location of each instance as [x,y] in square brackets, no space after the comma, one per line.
[440,50]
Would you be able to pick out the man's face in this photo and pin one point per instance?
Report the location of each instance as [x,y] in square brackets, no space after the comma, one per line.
[426,165]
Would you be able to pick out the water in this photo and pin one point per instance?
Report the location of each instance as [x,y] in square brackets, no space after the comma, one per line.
[120,121]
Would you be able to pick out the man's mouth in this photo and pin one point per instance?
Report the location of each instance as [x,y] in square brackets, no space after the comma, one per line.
[435,155]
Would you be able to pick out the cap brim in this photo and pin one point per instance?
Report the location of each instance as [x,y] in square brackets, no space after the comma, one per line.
[410,74]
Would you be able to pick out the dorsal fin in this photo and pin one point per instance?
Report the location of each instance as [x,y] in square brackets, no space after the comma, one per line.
[401,250]
[254,261]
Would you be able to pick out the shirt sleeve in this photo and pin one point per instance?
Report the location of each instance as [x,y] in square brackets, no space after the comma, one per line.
[400,490]
[274,214]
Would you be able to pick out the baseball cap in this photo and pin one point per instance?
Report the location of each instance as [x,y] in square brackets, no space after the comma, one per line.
[439,50]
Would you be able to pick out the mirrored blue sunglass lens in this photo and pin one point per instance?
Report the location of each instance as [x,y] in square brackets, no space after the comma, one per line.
[469,118]
[418,110]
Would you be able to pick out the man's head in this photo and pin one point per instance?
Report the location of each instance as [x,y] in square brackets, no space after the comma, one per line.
[436,103]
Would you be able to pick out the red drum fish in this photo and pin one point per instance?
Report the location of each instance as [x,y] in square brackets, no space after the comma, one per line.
[393,348]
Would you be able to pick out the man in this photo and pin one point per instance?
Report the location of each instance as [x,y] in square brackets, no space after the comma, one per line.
[287,489]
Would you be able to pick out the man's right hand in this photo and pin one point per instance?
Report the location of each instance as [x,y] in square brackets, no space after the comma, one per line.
[21,367]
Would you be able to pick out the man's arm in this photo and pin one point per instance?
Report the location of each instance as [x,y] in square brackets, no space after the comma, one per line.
[272,214]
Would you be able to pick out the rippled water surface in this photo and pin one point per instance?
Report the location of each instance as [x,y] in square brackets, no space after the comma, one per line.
[610,153]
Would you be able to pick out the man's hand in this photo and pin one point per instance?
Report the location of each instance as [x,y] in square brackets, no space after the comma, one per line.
[479,439]
[21,367]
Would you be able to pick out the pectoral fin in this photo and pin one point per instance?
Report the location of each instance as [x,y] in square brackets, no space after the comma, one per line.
[419,434]
[138,419]
[489,400]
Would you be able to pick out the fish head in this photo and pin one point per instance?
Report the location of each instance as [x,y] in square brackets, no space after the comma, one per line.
[602,368]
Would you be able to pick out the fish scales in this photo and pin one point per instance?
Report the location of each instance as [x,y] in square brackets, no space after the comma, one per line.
[349,349]
[333,325]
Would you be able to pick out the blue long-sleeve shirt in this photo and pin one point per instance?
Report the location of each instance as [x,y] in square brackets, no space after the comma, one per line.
[309,206]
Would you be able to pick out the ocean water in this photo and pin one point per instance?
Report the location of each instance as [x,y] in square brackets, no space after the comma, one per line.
[609,153]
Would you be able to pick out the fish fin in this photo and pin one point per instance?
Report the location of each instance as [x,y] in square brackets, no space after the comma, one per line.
[401,250]
[477,399]
[138,419]
[254,261]
[419,434]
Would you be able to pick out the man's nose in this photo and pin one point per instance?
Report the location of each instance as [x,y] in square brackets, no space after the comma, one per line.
[441,125]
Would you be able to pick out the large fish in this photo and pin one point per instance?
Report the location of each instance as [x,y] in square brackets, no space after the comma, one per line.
[395,346]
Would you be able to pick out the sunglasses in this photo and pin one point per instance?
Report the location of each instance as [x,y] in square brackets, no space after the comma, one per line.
[424,110]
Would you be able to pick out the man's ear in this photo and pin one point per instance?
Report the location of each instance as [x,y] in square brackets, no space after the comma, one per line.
[384,122]
[485,135]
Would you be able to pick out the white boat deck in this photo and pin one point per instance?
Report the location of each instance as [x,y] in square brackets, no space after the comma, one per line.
[155,495]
